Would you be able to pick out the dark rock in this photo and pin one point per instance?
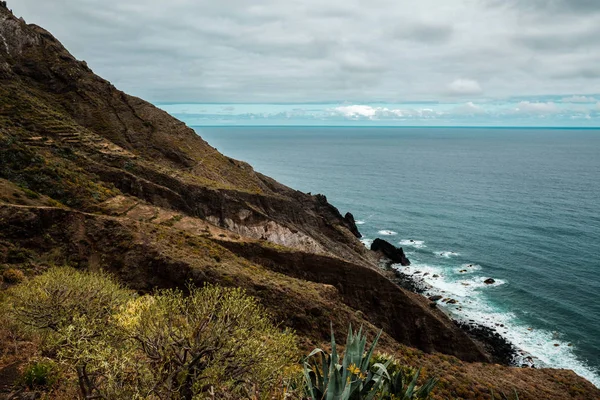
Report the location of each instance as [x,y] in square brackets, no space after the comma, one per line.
[451,301]
[489,281]
[388,250]
[435,298]
[436,276]
[407,282]
[433,304]
[501,350]
[351,224]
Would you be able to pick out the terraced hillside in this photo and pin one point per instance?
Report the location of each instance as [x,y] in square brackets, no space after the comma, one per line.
[97,179]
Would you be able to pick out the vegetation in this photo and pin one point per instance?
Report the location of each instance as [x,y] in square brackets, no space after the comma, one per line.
[209,342]
[357,375]
[13,275]
[40,374]
[210,338]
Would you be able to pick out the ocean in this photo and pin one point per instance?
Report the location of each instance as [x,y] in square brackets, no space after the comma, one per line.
[521,206]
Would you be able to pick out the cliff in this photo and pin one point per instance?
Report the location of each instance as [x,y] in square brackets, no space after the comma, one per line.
[97,179]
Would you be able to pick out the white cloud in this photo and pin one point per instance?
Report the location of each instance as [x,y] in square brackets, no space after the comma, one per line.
[468,108]
[465,87]
[356,111]
[579,99]
[384,113]
[537,108]
[327,50]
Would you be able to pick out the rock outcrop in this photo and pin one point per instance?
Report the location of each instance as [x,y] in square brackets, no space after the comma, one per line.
[389,251]
[351,224]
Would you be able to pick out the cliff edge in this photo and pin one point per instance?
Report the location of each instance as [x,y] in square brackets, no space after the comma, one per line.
[97,179]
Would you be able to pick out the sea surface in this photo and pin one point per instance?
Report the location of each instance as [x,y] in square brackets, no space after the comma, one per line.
[521,206]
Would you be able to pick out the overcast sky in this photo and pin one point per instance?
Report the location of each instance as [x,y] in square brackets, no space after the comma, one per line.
[331,50]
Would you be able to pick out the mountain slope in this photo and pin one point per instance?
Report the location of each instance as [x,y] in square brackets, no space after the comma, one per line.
[98,179]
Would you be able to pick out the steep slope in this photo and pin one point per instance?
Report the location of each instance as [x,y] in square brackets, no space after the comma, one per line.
[94,178]
[70,135]
[49,98]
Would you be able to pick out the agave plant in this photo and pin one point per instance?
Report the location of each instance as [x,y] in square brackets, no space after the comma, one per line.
[403,386]
[348,378]
[359,376]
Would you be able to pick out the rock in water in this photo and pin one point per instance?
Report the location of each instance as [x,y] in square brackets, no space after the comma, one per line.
[388,250]
[489,281]
[351,223]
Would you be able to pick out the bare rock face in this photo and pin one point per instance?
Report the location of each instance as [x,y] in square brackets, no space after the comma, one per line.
[351,224]
[386,249]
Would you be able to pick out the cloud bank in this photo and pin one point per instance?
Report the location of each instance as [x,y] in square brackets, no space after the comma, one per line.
[547,111]
[332,50]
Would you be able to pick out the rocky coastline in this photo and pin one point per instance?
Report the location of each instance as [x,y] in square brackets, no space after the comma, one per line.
[499,348]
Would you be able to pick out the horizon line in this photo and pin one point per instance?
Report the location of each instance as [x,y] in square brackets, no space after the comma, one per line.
[400,126]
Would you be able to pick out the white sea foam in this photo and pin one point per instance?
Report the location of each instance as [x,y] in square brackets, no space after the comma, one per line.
[359,222]
[535,346]
[467,269]
[386,232]
[417,244]
[446,254]
[367,242]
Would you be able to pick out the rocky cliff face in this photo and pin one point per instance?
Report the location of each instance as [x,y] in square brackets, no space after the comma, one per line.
[95,178]
[70,135]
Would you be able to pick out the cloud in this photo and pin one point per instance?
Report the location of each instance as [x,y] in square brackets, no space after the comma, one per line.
[570,6]
[424,32]
[510,112]
[468,108]
[357,111]
[537,108]
[330,50]
[578,99]
[571,41]
[465,87]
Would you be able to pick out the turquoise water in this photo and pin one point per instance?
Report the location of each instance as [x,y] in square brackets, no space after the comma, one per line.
[519,205]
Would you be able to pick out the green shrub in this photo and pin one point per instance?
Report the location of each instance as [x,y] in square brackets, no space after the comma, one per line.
[18,255]
[71,310]
[360,375]
[211,339]
[209,342]
[13,275]
[40,374]
[30,194]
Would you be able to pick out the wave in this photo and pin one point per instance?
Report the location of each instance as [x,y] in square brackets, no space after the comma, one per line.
[360,222]
[386,232]
[367,242]
[446,254]
[467,269]
[418,244]
[538,347]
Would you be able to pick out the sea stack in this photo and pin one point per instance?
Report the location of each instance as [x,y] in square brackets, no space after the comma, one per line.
[394,254]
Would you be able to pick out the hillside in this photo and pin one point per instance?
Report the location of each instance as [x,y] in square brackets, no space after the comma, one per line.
[96,179]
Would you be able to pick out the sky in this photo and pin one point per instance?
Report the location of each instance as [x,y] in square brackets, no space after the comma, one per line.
[536,61]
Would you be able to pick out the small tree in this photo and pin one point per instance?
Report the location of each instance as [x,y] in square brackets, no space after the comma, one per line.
[169,345]
[71,310]
[213,338]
